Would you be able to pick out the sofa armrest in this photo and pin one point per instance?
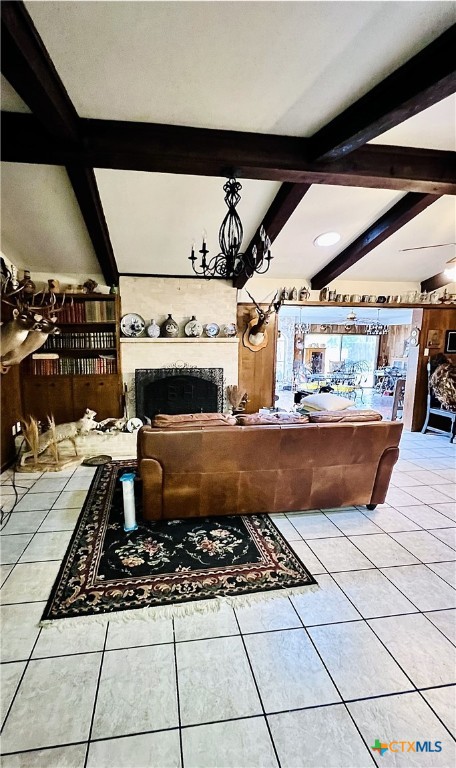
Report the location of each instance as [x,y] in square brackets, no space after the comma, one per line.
[140,441]
[383,477]
[151,475]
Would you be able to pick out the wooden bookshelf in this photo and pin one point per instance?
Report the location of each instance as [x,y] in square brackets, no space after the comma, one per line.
[82,369]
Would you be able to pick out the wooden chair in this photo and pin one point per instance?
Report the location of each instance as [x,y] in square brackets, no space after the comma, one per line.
[434,407]
[398,399]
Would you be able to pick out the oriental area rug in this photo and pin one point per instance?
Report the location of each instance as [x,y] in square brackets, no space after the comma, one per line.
[170,567]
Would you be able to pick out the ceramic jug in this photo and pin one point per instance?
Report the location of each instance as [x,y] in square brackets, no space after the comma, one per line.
[169,329]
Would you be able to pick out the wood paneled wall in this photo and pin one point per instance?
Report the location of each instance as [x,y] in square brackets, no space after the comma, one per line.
[11,412]
[257,369]
[416,388]
[392,344]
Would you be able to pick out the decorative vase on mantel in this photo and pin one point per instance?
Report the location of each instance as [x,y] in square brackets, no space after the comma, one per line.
[153,330]
[169,329]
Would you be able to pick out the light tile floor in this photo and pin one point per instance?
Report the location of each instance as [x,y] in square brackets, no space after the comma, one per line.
[306,682]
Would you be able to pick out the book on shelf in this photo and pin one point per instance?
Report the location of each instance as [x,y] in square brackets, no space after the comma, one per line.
[88,312]
[82,340]
[53,365]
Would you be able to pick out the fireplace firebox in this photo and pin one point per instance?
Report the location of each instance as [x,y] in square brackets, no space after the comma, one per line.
[178,390]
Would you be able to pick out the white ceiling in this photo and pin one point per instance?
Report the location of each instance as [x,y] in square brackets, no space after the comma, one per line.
[325,208]
[154,217]
[42,226]
[207,63]
[434,128]
[11,102]
[275,67]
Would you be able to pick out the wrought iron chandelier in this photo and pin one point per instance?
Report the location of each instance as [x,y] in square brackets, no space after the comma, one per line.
[230,262]
[377,328]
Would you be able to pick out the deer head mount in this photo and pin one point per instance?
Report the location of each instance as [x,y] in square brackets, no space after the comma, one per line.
[255,336]
[33,319]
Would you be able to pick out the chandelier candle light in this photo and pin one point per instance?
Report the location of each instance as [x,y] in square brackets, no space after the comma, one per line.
[377,328]
[230,262]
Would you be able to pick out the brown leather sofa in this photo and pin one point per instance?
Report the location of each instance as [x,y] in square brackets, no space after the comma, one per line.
[223,470]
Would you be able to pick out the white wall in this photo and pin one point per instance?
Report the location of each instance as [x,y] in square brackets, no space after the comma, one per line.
[155,298]
[211,301]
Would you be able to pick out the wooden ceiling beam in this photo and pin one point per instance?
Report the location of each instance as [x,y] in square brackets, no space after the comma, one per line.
[427,78]
[401,213]
[86,190]
[284,204]
[435,282]
[206,152]
[28,67]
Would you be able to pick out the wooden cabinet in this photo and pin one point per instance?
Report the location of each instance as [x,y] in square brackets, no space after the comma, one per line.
[99,393]
[11,412]
[46,395]
[80,367]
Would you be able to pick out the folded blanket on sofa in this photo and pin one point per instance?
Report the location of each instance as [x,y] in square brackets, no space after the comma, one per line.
[248,419]
[164,420]
[322,417]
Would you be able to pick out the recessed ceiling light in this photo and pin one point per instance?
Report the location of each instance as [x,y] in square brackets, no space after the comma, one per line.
[327,238]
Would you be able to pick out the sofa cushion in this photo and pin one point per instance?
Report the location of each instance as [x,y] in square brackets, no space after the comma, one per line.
[167,421]
[325,401]
[323,417]
[248,419]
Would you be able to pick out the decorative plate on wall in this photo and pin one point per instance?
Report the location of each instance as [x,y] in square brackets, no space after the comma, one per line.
[212,330]
[132,325]
[230,330]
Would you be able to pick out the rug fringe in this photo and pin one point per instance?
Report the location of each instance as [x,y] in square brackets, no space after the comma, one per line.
[178,611]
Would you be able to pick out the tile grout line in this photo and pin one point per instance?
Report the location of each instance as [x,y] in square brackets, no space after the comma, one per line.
[96,697]
[20,681]
[37,510]
[235,719]
[300,539]
[246,634]
[308,635]
[418,610]
[424,504]
[416,689]
[257,689]
[179,718]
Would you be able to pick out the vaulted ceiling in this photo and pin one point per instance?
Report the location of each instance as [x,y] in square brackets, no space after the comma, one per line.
[335,115]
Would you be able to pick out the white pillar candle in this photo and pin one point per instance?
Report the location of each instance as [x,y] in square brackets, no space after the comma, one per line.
[127,481]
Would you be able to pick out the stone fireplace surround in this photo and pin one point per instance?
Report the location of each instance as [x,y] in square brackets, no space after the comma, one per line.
[178,390]
[180,355]
[209,300]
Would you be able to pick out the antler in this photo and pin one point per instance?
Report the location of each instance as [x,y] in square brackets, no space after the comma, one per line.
[8,288]
[260,311]
[48,304]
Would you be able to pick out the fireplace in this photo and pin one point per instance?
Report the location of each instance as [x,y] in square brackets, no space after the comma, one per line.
[178,390]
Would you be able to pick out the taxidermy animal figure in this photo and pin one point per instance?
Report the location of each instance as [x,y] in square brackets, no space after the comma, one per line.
[443,383]
[255,336]
[111,425]
[32,320]
[60,432]
[14,332]
[36,337]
